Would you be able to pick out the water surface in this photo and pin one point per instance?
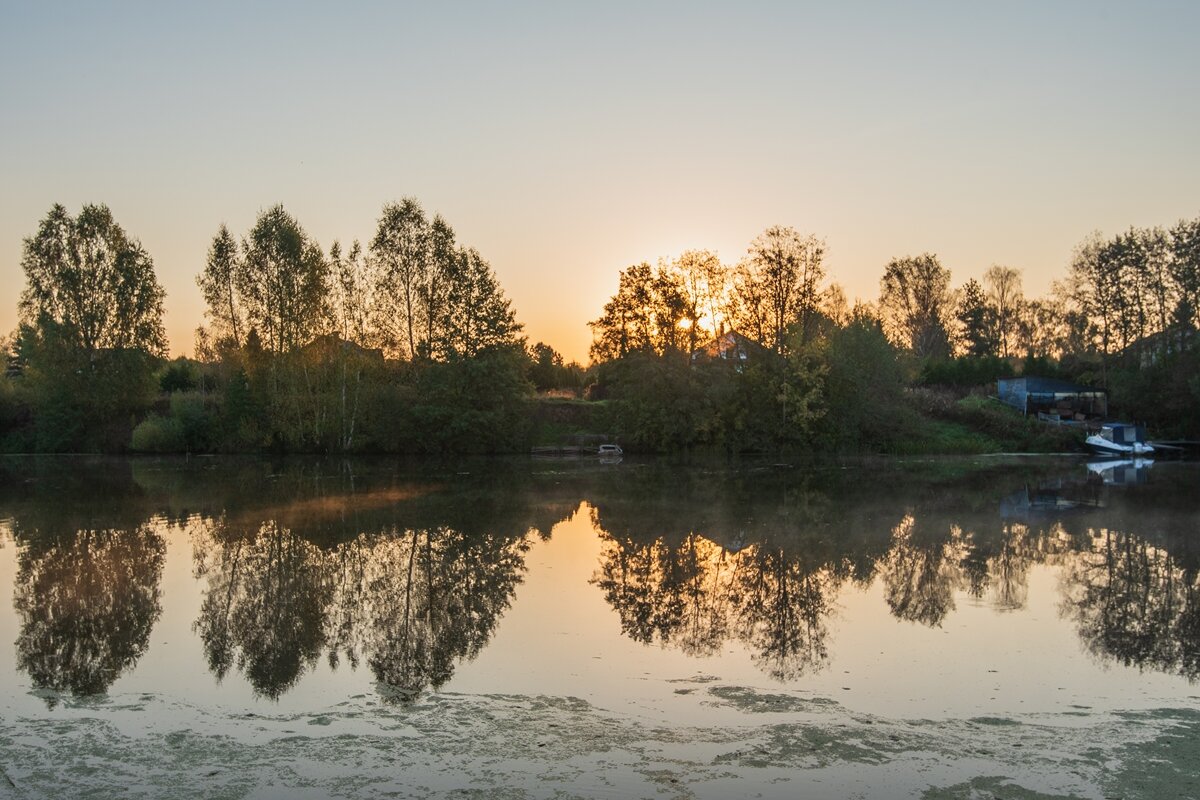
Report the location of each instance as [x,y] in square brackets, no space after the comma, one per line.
[936,627]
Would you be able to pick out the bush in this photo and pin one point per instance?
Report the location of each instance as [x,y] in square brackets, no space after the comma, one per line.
[159,435]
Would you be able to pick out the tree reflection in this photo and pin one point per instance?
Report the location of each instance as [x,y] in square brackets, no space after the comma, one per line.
[782,606]
[266,601]
[87,602]
[411,603]
[921,572]
[360,565]
[431,599]
[1134,603]
[696,595]
[672,593]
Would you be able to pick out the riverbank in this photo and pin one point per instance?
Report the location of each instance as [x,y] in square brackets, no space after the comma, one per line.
[928,422]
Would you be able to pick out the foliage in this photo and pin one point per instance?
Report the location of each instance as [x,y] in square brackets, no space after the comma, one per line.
[775,287]
[470,405]
[92,283]
[658,404]
[864,386]
[646,315]
[1005,300]
[976,330]
[179,375]
[914,304]
[82,401]
[476,316]
[410,345]
[547,371]
[968,371]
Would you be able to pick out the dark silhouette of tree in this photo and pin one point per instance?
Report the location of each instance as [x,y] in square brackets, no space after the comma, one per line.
[1005,299]
[401,249]
[974,319]
[1185,272]
[90,330]
[283,280]
[218,285]
[776,286]
[914,303]
[645,315]
[703,281]
[864,384]
[476,315]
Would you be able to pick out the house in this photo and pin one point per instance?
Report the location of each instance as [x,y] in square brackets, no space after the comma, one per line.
[1052,398]
[328,345]
[729,346]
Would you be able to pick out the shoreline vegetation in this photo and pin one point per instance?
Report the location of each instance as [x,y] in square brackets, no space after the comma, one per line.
[407,344]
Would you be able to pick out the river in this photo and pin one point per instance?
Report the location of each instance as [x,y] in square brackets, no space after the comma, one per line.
[937,627]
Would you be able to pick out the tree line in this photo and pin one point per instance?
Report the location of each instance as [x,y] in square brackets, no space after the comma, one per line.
[768,352]
[407,343]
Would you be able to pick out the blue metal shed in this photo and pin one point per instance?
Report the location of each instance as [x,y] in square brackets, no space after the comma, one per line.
[1032,395]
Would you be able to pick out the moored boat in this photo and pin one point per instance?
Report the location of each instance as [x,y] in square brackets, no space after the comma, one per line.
[1120,439]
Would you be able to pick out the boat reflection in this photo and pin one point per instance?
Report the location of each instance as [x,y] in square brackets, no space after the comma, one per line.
[1121,471]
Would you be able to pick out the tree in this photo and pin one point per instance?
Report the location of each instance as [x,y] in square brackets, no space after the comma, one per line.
[775,286]
[283,280]
[1185,271]
[91,328]
[973,315]
[93,283]
[703,280]
[218,286]
[645,315]
[446,265]
[914,303]
[864,385]
[1003,285]
[401,249]
[547,365]
[475,314]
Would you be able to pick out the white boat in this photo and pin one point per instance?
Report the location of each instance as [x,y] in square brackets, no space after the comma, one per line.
[611,450]
[1120,439]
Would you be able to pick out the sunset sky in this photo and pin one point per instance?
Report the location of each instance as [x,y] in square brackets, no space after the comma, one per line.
[567,141]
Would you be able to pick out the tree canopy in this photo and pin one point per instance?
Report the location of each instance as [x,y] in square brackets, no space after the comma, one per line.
[93,282]
[914,303]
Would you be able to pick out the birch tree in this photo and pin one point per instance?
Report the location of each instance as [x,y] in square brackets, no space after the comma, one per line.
[401,250]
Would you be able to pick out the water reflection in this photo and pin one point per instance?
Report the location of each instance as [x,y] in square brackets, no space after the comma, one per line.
[1135,603]
[346,578]
[784,556]
[87,602]
[696,595]
[409,573]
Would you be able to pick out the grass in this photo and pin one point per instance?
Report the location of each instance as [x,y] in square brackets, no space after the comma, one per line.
[981,422]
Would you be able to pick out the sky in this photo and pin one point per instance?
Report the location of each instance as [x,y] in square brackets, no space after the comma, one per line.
[566,141]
